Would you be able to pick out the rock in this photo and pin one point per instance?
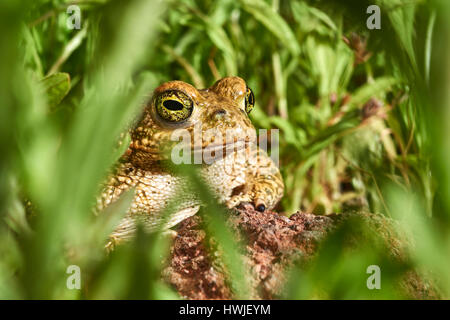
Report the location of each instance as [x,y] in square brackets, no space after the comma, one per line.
[273,244]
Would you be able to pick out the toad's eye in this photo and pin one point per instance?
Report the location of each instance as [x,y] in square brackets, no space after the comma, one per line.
[173,105]
[249,100]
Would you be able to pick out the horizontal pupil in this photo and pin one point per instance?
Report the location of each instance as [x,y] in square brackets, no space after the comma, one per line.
[173,105]
[250,98]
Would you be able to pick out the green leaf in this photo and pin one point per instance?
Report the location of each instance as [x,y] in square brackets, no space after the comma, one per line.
[402,20]
[220,38]
[311,18]
[330,63]
[289,132]
[373,89]
[56,87]
[264,13]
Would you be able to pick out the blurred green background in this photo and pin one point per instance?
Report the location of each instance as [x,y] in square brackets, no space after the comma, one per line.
[363,118]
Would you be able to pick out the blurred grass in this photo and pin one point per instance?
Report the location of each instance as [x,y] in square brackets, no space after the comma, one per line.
[363,117]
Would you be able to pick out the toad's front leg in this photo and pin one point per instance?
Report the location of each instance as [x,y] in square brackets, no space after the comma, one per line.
[268,186]
[264,187]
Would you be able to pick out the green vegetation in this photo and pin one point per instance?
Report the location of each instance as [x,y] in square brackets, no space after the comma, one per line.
[363,118]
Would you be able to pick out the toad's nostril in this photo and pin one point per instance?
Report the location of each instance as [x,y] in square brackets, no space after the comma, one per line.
[220,113]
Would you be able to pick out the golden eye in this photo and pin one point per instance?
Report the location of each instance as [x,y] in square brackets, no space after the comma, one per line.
[174,106]
[249,100]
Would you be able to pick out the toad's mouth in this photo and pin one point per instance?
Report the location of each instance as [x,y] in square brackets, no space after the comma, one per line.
[210,152]
[225,147]
[213,152]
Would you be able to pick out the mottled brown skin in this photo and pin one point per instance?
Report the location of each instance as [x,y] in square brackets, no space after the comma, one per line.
[244,174]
